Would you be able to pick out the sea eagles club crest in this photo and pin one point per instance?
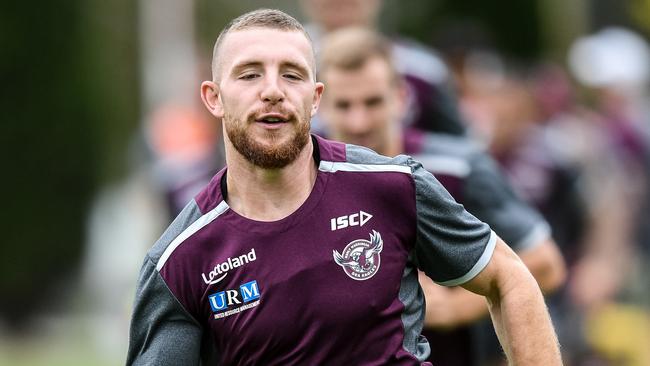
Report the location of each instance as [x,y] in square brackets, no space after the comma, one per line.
[360,259]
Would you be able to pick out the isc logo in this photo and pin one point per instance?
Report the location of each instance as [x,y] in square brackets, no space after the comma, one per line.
[222,300]
[355,219]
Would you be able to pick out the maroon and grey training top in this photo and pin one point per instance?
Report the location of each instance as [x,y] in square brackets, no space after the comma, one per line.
[334,283]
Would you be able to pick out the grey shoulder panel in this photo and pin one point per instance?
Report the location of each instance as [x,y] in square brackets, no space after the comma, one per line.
[162,332]
[450,241]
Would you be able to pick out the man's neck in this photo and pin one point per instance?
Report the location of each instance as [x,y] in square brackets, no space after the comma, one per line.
[269,194]
[394,143]
[394,147]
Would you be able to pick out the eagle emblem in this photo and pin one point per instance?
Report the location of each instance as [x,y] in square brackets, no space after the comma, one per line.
[360,259]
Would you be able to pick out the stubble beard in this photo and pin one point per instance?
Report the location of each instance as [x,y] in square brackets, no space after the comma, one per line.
[276,155]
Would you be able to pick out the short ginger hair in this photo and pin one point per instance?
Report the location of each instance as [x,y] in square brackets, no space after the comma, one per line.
[260,18]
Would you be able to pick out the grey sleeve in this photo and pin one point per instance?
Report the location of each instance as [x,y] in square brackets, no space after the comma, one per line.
[452,246]
[162,332]
[489,196]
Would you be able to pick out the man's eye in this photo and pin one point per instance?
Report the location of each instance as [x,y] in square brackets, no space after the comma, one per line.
[342,105]
[249,76]
[292,77]
[374,102]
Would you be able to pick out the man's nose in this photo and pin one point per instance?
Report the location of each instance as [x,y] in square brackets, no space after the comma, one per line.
[358,120]
[272,92]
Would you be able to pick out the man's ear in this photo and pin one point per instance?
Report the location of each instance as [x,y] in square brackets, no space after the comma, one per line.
[318,93]
[211,98]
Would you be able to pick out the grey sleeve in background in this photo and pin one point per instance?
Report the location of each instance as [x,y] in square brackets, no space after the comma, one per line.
[452,246]
[162,332]
[490,197]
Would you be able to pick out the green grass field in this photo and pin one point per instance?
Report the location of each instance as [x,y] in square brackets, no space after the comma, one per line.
[69,342]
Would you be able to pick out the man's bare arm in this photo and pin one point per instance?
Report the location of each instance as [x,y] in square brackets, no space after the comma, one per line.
[518,311]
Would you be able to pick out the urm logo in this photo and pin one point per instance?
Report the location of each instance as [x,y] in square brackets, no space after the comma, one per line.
[355,219]
[222,300]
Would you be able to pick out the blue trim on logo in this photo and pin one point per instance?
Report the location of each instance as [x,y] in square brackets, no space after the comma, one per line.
[249,291]
[218,301]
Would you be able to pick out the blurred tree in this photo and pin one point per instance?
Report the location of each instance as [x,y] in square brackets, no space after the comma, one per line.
[562,22]
[47,140]
[109,60]
[57,102]
[213,15]
[513,25]
[639,11]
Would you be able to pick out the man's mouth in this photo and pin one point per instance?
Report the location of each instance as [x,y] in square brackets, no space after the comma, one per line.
[272,119]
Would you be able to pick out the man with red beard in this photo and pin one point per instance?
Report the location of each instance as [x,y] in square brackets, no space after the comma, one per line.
[305,251]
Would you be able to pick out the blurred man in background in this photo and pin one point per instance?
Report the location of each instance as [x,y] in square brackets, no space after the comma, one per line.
[431,102]
[583,164]
[364,104]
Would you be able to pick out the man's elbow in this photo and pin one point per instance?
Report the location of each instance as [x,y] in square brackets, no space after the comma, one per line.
[547,265]
[556,277]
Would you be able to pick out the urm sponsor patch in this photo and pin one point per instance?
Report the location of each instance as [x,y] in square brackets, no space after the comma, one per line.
[234,301]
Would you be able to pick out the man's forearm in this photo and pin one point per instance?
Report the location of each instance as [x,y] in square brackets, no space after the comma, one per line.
[521,320]
[517,308]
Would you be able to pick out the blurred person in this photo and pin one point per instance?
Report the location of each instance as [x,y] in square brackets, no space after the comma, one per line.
[431,100]
[612,65]
[509,125]
[363,105]
[580,137]
[278,236]
[613,180]
[505,115]
[564,159]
